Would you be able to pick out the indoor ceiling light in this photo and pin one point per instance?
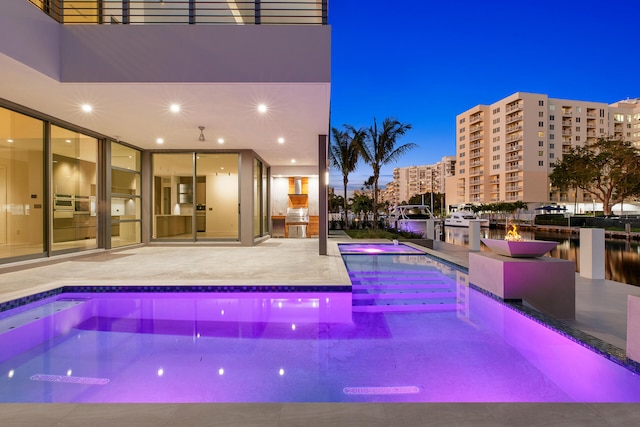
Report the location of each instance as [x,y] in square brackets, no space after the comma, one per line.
[201,137]
[293,160]
[280,140]
[87,108]
[262,108]
[175,108]
[160,141]
[220,140]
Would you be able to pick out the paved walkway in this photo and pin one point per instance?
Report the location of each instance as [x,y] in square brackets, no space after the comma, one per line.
[601,311]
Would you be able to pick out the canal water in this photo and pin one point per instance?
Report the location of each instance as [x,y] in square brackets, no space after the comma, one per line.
[622,257]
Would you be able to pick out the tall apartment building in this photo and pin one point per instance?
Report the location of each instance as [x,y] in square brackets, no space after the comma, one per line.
[414,180]
[187,121]
[505,150]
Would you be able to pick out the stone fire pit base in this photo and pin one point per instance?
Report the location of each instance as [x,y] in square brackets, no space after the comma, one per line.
[548,284]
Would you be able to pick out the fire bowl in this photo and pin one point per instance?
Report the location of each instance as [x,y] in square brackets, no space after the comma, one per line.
[523,249]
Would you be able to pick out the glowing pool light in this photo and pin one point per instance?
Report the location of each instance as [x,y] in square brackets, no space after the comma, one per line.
[372,250]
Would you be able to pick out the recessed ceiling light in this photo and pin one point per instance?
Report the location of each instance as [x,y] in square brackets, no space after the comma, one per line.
[222,167]
[280,140]
[9,140]
[262,108]
[160,141]
[220,140]
[175,108]
[86,108]
[67,141]
[293,160]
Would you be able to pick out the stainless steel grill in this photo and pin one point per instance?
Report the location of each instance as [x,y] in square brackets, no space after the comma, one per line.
[296,221]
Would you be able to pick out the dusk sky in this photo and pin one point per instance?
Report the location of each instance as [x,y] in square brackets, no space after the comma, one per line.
[425,61]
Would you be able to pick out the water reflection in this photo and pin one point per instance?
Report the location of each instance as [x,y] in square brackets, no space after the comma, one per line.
[622,257]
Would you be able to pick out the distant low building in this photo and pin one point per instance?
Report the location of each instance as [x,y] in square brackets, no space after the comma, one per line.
[414,180]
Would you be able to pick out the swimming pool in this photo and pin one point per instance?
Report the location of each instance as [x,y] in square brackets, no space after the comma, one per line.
[411,331]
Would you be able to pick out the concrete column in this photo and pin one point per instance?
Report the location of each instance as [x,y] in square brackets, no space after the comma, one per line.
[431,229]
[592,253]
[323,196]
[474,235]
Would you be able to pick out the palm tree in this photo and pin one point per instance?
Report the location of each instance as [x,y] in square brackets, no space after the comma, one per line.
[379,149]
[344,155]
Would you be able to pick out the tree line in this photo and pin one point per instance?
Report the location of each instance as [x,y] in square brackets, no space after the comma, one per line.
[376,145]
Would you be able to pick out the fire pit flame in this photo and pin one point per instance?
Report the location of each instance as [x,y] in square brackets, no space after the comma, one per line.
[513,235]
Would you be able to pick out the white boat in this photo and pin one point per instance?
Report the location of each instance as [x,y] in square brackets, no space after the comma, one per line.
[462,218]
[410,218]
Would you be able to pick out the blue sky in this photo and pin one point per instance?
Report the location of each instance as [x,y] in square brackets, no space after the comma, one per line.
[425,61]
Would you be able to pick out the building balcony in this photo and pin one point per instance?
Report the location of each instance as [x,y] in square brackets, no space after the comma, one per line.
[515,128]
[515,158]
[513,179]
[475,118]
[475,145]
[512,148]
[153,12]
[476,172]
[513,138]
[475,191]
[567,113]
[513,107]
[513,198]
[461,193]
[514,188]
[476,128]
[476,137]
[511,168]
[474,181]
[495,181]
[513,118]
[495,199]
[475,163]
[566,132]
[461,185]
[475,154]
[567,123]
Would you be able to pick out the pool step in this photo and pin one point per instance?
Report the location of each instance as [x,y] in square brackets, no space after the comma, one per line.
[390,292]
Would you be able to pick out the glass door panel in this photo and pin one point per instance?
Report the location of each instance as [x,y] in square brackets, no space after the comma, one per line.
[74,173]
[173,203]
[216,196]
[22,202]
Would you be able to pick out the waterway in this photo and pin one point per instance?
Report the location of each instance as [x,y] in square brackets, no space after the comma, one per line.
[622,257]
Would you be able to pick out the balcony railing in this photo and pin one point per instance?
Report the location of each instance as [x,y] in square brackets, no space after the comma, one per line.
[146,12]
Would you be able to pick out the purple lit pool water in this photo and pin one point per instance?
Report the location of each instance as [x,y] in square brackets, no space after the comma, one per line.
[412,331]
[377,248]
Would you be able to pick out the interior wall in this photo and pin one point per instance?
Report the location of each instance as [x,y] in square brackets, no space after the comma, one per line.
[222,198]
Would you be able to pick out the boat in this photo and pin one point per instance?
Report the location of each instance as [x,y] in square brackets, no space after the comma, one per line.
[410,218]
[462,218]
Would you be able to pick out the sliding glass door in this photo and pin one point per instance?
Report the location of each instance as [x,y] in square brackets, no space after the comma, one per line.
[195,196]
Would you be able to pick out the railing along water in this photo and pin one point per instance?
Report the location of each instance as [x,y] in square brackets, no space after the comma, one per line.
[149,12]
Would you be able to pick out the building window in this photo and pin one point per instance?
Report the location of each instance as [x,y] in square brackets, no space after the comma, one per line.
[540,143]
[601,113]
[541,124]
[540,113]
[496,167]
[552,127]
[552,117]
[540,134]
[540,153]
[496,110]
[552,136]
[577,119]
[577,128]
[551,155]
[126,202]
[552,146]
[552,107]
[461,121]
[541,103]
[577,138]
[541,163]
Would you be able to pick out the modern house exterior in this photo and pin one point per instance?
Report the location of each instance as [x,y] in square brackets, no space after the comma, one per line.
[504,151]
[125,123]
